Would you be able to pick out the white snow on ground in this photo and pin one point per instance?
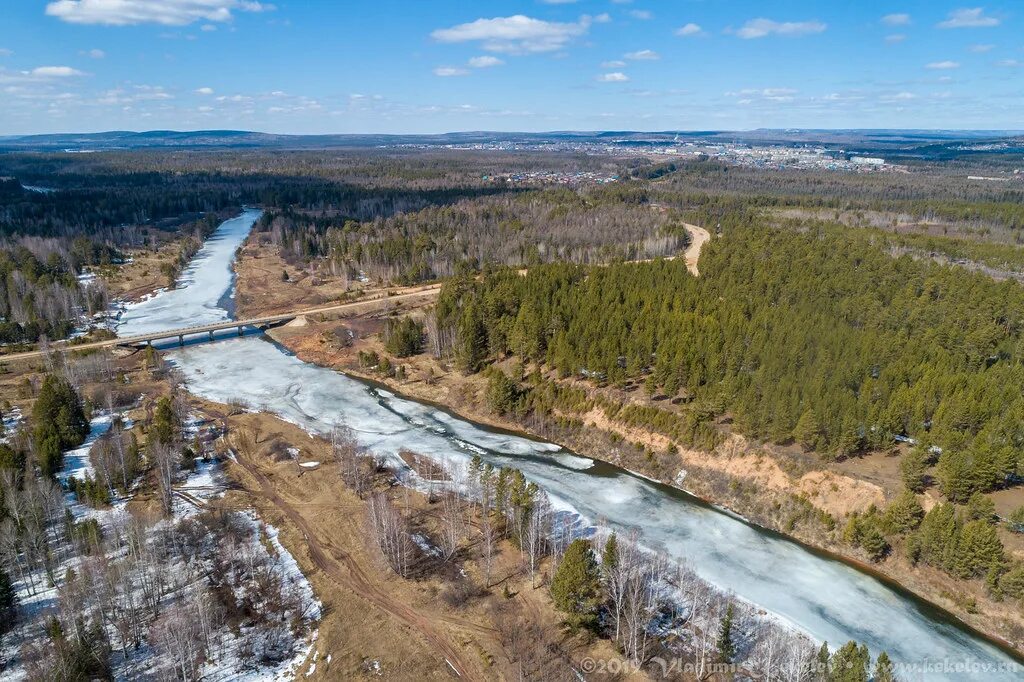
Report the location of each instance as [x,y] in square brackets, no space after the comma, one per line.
[828,599]
[292,571]
[424,544]
[76,461]
[226,666]
[12,422]
[206,483]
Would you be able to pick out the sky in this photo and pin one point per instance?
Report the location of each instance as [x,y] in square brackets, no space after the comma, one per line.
[432,66]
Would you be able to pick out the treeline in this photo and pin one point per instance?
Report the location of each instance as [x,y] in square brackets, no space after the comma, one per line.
[928,193]
[816,336]
[595,225]
[963,541]
[40,294]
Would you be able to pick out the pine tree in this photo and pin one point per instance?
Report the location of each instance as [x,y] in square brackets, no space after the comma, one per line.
[725,644]
[979,550]
[884,669]
[165,423]
[807,430]
[8,602]
[904,514]
[58,422]
[575,586]
[610,554]
[823,659]
[849,663]
[912,469]
[980,507]
[873,542]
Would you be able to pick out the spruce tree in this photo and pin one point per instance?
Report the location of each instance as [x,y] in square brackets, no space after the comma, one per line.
[575,587]
[725,644]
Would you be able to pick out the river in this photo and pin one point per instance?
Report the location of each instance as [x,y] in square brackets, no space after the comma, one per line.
[824,597]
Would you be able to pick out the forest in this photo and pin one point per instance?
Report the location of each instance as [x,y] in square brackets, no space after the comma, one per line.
[816,336]
[91,591]
[523,228]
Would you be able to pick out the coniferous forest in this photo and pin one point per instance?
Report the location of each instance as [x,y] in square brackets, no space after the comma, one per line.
[814,335]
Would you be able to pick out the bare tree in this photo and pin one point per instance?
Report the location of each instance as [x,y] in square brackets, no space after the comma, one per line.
[353,468]
[165,466]
[537,537]
[453,524]
[391,533]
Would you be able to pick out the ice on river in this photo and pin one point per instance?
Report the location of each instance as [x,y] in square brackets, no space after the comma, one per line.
[197,298]
[825,598]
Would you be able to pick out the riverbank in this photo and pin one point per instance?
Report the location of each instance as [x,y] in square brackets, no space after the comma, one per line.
[791,497]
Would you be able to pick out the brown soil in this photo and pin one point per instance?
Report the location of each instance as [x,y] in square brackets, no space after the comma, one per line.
[261,289]
[698,236]
[143,275]
[370,614]
[753,480]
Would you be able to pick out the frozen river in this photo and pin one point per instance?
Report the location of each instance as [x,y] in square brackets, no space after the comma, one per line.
[821,596]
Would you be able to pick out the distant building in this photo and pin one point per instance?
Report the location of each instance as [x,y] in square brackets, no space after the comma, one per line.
[867,160]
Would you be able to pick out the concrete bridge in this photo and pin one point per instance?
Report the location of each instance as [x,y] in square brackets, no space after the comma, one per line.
[264,322]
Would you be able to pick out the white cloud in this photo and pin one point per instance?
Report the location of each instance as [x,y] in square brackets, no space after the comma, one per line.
[93,53]
[897,19]
[1008,63]
[759,28]
[166,12]
[485,61]
[968,18]
[895,38]
[613,64]
[603,18]
[642,55]
[208,28]
[898,97]
[55,72]
[981,48]
[943,65]
[769,94]
[641,14]
[518,34]
[204,91]
[4,52]
[613,77]
[690,29]
[205,109]
[448,71]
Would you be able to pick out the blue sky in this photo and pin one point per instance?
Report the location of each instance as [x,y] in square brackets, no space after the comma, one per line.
[348,66]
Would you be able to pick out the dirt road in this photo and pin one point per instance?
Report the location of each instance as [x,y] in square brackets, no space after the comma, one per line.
[340,567]
[698,236]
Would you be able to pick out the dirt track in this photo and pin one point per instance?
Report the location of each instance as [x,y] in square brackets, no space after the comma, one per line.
[340,567]
[698,236]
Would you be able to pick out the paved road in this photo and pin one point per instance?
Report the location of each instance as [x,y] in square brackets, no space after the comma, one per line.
[264,321]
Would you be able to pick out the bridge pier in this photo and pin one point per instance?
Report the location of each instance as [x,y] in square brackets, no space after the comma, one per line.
[181,339]
[239,330]
[211,335]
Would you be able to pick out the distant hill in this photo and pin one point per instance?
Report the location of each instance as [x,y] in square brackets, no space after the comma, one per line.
[913,143]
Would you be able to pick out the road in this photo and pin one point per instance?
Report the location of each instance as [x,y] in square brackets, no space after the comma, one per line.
[344,570]
[424,292]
